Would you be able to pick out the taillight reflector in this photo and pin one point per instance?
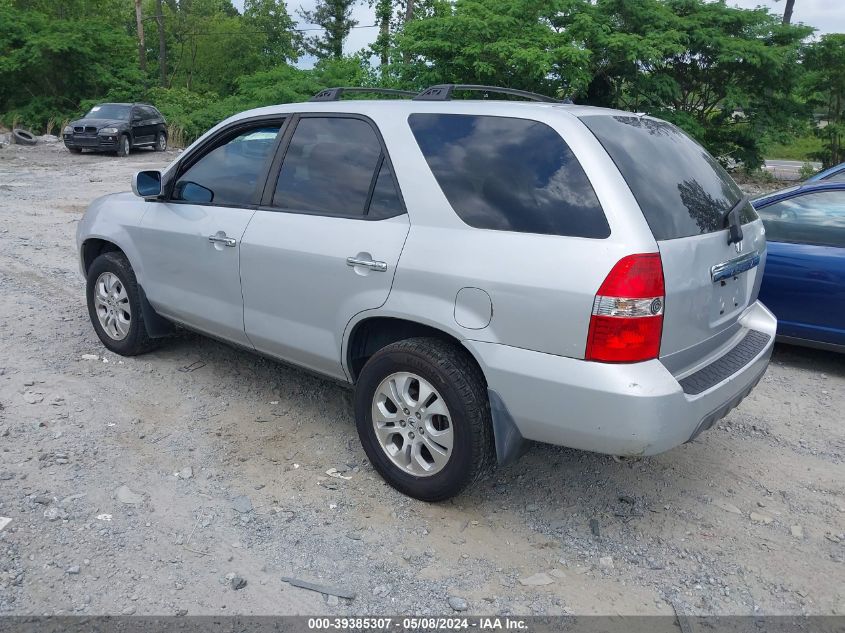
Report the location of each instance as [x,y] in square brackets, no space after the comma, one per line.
[627,319]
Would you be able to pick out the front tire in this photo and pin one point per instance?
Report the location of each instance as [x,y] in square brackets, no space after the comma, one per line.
[123,146]
[75,150]
[114,305]
[423,418]
[161,142]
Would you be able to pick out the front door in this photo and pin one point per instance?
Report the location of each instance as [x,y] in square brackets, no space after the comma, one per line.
[191,243]
[325,244]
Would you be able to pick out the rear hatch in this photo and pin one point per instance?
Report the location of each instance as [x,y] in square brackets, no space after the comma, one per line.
[686,196]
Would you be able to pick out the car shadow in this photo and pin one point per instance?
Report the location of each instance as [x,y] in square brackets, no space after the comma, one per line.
[810,359]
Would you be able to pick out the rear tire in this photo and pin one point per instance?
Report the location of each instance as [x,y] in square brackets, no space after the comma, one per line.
[161,142]
[448,374]
[74,150]
[114,306]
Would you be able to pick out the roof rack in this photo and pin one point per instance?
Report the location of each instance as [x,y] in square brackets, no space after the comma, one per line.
[443,92]
[334,94]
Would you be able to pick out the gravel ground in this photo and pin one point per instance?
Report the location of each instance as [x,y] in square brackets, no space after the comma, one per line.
[160,484]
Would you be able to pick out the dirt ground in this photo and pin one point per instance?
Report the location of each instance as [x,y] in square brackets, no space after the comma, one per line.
[157,484]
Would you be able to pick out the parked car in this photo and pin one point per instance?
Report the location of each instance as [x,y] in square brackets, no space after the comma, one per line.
[482,272]
[832,174]
[117,127]
[804,283]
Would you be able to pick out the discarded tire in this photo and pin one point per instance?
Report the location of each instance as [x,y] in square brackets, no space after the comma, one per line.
[22,137]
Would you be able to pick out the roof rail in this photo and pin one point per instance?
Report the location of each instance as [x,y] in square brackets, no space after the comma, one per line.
[443,92]
[334,94]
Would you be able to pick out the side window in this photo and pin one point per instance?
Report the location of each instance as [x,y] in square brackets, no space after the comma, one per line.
[509,174]
[229,173]
[148,113]
[814,218]
[331,167]
[385,201]
[837,177]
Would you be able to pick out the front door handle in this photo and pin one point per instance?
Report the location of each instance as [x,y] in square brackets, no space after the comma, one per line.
[220,238]
[367,263]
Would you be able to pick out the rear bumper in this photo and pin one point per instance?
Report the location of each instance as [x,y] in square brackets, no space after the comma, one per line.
[620,409]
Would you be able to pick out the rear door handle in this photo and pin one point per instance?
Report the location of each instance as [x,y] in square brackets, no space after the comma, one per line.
[367,263]
[217,238]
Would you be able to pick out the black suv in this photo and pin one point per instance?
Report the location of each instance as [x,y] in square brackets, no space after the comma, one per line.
[117,127]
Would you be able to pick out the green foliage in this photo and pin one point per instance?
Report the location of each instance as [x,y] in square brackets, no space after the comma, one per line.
[335,18]
[48,65]
[825,85]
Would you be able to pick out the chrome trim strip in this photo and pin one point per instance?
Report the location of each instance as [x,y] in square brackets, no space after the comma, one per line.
[734,267]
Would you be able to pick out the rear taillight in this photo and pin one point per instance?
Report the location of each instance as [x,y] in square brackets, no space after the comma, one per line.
[627,319]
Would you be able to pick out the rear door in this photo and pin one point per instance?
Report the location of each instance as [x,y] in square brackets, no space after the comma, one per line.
[685,195]
[325,243]
[804,284]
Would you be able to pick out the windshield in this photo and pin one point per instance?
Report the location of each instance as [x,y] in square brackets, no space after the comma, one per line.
[681,189]
[109,111]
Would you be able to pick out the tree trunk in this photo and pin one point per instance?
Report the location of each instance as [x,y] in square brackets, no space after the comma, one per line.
[162,46]
[385,39]
[409,15]
[142,47]
[787,11]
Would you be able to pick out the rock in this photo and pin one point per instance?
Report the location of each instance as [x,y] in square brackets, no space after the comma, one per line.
[90,357]
[186,473]
[242,504]
[558,573]
[458,604]
[332,601]
[129,497]
[606,562]
[797,531]
[54,514]
[531,507]
[355,535]
[537,580]
[759,517]
[130,610]
[727,507]
[32,398]
[43,500]
[381,590]
[594,527]
[73,570]
[237,583]
[6,476]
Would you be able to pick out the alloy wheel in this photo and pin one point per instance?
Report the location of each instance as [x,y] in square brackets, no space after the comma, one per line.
[112,306]
[412,424]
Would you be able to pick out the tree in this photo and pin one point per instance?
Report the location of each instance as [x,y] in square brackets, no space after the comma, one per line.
[824,85]
[162,45]
[142,46]
[726,75]
[508,43]
[335,19]
[283,43]
[384,12]
[787,11]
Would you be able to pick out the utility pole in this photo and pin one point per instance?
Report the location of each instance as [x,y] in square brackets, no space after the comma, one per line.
[142,47]
[162,46]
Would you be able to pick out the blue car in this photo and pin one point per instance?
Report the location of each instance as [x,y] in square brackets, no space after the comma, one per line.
[804,279]
[832,174]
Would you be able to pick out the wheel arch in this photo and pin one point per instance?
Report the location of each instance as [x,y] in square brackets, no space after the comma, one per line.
[371,333]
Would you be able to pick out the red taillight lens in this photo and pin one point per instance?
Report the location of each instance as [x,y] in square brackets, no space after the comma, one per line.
[627,319]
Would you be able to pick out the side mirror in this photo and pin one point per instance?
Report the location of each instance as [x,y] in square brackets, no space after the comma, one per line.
[192,192]
[147,184]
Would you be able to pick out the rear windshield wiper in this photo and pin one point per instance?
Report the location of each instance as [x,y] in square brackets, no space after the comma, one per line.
[732,220]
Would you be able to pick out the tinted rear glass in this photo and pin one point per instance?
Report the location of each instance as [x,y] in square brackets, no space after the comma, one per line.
[509,175]
[681,189]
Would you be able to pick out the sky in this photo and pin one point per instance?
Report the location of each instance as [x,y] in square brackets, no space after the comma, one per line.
[827,16]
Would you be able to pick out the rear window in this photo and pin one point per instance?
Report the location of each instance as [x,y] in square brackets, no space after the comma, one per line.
[509,174]
[681,189]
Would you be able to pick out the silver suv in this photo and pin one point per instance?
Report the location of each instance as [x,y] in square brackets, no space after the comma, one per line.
[483,272]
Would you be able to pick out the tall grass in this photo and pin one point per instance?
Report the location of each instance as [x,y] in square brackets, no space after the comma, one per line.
[175,136]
